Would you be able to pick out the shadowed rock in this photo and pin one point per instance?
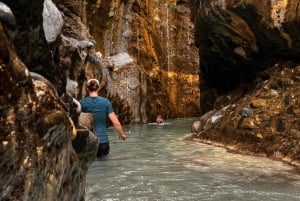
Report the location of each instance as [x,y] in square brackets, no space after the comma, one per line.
[238,39]
[37,159]
[8,20]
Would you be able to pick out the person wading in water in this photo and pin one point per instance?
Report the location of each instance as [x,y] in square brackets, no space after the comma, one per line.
[159,119]
[100,108]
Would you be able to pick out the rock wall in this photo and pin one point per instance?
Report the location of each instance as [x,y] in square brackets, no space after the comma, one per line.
[263,121]
[249,76]
[39,160]
[155,42]
[31,44]
[237,39]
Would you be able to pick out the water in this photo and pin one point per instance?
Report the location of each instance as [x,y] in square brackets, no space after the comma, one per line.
[155,163]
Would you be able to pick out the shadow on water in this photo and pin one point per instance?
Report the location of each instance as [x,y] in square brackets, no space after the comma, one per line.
[156,163]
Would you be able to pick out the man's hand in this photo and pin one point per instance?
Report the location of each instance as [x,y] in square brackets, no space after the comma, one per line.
[122,136]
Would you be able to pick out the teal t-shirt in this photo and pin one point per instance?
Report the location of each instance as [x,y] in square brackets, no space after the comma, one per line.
[99,107]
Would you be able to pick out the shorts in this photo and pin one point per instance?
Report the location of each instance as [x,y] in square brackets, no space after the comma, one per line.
[103,149]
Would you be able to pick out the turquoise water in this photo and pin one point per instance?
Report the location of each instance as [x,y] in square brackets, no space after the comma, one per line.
[156,163]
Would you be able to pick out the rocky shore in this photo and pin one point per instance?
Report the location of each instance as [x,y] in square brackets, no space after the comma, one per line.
[261,118]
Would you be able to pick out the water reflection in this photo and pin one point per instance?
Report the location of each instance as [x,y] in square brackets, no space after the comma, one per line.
[155,163]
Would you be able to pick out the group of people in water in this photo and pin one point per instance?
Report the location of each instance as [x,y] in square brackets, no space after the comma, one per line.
[101,108]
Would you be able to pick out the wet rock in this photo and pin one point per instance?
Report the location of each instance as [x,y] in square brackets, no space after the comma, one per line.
[240,51]
[273,93]
[38,161]
[86,120]
[71,87]
[295,132]
[275,84]
[256,103]
[133,84]
[99,55]
[82,44]
[216,119]
[259,135]
[79,44]
[246,112]
[8,20]
[36,132]
[121,60]
[111,14]
[52,21]
[247,123]
[115,76]
[126,34]
[196,127]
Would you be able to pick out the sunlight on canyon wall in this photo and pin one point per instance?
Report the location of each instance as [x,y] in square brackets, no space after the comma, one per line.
[158,37]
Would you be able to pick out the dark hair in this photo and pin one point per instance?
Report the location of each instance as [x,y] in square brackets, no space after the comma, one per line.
[93,85]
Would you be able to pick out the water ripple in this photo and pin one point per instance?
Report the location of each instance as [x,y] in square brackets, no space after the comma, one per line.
[155,163]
